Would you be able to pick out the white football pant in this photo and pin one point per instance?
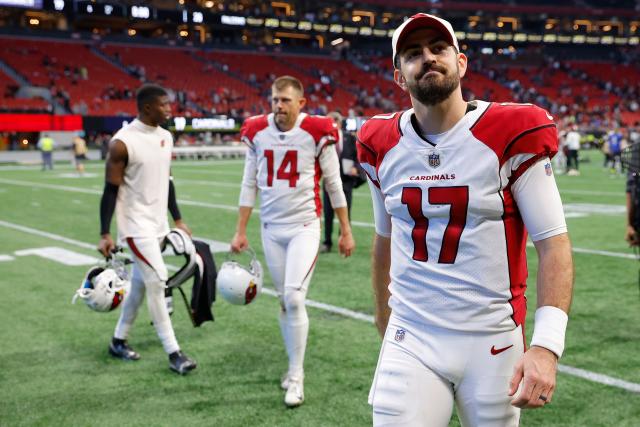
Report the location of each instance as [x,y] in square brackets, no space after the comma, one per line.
[423,370]
[150,274]
[291,252]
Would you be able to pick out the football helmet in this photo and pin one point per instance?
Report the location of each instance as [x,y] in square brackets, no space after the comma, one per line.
[179,243]
[238,284]
[103,289]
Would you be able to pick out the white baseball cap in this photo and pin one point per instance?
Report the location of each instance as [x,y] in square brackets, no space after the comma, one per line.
[422,20]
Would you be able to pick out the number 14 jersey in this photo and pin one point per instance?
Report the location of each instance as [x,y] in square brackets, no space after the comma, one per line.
[286,167]
[453,204]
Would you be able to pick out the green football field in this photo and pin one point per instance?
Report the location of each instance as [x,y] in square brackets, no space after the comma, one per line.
[55,370]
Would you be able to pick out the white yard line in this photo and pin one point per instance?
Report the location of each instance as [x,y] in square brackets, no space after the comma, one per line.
[599,378]
[234,208]
[594,193]
[570,370]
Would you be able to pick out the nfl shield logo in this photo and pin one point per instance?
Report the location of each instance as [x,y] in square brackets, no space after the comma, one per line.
[282,137]
[547,169]
[434,159]
[400,335]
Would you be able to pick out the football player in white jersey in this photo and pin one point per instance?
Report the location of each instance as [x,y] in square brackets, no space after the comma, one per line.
[456,187]
[286,157]
[138,187]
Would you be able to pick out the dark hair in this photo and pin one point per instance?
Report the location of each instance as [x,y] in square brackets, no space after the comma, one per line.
[148,93]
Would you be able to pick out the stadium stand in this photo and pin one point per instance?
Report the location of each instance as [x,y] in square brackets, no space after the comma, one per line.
[93,70]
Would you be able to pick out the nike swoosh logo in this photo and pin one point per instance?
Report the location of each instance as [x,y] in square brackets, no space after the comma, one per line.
[495,350]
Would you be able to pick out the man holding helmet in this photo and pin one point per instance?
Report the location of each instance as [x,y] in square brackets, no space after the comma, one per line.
[138,179]
[288,152]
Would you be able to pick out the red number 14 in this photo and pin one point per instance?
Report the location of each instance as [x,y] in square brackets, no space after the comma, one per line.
[290,162]
[458,198]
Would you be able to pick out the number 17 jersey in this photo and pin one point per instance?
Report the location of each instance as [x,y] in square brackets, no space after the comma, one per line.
[458,239]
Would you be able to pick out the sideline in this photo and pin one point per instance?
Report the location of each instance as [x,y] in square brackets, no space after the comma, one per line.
[570,370]
[231,208]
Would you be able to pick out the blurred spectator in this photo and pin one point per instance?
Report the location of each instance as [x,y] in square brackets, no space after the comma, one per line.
[46,145]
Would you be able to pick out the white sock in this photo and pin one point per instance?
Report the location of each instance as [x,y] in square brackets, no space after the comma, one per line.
[297,330]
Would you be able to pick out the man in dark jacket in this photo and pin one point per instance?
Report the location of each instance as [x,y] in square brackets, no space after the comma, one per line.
[349,174]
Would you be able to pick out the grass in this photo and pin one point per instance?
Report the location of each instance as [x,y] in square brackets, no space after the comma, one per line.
[56,371]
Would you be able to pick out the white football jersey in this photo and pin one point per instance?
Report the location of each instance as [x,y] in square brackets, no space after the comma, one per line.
[141,208]
[458,239]
[287,166]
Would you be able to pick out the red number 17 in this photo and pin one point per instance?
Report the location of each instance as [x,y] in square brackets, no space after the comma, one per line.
[458,198]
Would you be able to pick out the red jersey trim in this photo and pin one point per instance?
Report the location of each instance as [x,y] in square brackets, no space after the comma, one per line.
[516,240]
[137,252]
[523,168]
[320,129]
[513,129]
[316,188]
[251,127]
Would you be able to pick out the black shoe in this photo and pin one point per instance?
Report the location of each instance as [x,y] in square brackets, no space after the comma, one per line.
[121,350]
[181,363]
[324,248]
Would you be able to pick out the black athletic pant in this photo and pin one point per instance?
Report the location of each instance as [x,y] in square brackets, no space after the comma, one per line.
[347,187]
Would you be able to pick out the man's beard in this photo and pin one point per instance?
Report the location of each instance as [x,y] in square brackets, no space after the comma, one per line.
[433,90]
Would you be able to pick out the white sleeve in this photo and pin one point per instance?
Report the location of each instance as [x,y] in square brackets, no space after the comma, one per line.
[249,187]
[538,200]
[330,166]
[381,218]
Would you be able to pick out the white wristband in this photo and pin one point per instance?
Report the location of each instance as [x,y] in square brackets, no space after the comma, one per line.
[549,329]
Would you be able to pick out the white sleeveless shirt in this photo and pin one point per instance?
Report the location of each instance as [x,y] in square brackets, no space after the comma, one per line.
[141,209]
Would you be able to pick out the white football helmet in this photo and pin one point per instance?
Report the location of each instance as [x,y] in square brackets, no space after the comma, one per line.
[179,243]
[103,289]
[238,284]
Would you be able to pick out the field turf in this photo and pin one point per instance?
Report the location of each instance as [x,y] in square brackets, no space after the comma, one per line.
[55,370]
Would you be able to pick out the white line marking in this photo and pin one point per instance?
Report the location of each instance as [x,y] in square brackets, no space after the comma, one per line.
[175,163]
[61,255]
[211,172]
[599,378]
[51,236]
[328,307]
[594,193]
[49,186]
[208,183]
[6,258]
[597,252]
[593,208]
[200,163]
[77,176]
[581,373]
[235,209]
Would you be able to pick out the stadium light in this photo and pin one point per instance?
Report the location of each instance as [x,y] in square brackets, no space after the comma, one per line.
[34,21]
[337,41]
